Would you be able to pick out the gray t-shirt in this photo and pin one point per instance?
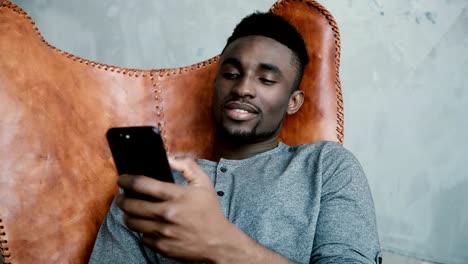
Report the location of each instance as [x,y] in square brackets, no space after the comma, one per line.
[310,203]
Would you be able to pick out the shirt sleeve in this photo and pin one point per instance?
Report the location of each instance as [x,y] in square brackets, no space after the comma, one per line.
[116,243]
[346,229]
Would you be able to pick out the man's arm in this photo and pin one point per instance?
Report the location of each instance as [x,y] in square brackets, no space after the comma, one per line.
[346,227]
[187,223]
[115,243]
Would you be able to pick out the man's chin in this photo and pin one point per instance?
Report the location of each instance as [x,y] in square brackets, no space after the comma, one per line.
[239,135]
[245,136]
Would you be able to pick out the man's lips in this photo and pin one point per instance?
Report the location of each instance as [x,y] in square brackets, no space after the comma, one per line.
[241,106]
[239,111]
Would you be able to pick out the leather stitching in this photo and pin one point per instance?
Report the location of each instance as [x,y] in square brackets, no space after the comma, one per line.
[5,253]
[158,108]
[182,70]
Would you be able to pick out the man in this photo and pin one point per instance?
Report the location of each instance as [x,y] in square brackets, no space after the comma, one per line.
[256,200]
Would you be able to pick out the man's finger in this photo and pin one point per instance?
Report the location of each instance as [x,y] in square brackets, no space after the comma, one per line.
[141,225]
[190,170]
[142,208]
[149,186]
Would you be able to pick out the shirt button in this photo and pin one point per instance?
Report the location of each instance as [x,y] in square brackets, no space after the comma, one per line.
[220,193]
[223,169]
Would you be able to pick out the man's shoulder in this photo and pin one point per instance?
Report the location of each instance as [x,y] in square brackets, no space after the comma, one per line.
[328,153]
[321,148]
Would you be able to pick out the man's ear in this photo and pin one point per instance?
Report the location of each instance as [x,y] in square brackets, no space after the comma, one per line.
[295,101]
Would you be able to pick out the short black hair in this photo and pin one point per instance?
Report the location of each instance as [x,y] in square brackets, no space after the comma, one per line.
[278,28]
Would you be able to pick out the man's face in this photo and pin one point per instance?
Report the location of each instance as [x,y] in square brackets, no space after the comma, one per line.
[253,88]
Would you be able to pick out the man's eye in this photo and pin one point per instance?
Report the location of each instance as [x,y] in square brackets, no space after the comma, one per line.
[230,75]
[267,81]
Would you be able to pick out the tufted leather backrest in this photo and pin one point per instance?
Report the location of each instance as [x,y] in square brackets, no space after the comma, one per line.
[57,177]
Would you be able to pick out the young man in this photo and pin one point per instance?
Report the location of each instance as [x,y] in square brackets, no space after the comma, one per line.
[257,200]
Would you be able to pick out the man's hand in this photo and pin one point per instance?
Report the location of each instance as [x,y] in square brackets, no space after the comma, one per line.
[186,223]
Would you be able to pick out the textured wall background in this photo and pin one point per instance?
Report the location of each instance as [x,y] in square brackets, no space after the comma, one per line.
[404,73]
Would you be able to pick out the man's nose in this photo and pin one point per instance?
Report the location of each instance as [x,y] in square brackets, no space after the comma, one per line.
[245,88]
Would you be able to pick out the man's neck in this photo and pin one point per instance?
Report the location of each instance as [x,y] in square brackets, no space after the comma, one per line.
[235,150]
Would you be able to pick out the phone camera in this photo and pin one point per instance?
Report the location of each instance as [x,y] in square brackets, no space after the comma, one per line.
[127,136]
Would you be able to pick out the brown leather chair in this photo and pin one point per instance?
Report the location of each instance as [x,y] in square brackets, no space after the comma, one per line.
[57,178]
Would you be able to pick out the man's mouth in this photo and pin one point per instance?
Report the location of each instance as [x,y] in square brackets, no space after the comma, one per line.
[239,111]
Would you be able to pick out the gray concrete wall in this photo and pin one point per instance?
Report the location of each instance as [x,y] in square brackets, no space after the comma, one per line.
[404,73]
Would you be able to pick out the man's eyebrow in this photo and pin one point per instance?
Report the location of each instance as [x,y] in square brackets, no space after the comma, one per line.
[232,61]
[263,66]
[270,67]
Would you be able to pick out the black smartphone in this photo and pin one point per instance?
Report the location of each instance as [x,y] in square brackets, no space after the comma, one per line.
[139,151]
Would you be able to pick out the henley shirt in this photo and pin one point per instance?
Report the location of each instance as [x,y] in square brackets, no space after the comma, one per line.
[309,203]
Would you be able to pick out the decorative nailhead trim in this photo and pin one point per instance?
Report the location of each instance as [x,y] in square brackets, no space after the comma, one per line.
[334,27]
[19,11]
[4,251]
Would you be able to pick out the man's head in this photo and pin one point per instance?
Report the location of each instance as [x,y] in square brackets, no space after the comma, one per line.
[276,27]
[259,74]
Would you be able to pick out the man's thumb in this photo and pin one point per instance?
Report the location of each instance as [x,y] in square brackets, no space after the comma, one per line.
[189,169]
